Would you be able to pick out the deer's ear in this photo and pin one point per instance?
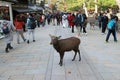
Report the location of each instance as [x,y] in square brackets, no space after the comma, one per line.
[50,35]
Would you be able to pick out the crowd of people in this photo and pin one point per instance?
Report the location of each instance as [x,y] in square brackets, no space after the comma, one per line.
[28,22]
[109,22]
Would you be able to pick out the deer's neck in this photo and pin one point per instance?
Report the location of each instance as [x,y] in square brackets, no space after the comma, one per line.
[56,46]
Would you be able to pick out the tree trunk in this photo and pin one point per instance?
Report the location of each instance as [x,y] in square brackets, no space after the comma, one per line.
[85,8]
[96,7]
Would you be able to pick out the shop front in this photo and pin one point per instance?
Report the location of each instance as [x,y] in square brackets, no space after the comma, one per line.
[5,13]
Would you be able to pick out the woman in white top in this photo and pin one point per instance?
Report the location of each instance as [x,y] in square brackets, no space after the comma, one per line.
[64,20]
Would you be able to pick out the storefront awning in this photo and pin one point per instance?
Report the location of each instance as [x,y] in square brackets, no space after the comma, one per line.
[14,1]
[36,8]
[23,10]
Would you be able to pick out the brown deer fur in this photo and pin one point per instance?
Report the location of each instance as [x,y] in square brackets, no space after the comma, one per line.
[63,45]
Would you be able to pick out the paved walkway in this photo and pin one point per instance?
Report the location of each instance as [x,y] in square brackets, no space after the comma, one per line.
[39,61]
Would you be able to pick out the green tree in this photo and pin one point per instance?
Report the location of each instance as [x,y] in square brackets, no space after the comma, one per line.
[90,4]
[105,4]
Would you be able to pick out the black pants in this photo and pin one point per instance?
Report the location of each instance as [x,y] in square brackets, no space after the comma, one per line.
[81,26]
[38,23]
[8,46]
[113,33]
[100,25]
[104,26]
[84,24]
[84,30]
[72,29]
[48,20]
[24,28]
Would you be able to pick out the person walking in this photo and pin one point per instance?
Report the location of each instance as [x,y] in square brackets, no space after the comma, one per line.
[48,18]
[104,21]
[37,17]
[99,20]
[112,29]
[117,19]
[64,20]
[19,23]
[53,18]
[78,22]
[23,16]
[42,20]
[31,25]
[71,21]
[58,18]
[7,30]
[84,22]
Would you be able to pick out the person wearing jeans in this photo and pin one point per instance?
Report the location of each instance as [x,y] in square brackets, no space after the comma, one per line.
[30,29]
[84,22]
[99,20]
[71,22]
[112,29]
[113,33]
[78,22]
[104,21]
[19,28]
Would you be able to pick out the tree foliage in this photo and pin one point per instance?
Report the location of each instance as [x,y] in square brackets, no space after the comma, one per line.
[105,4]
[90,4]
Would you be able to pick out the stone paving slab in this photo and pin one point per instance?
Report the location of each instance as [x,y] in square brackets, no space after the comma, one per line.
[72,70]
[26,61]
[104,56]
[39,61]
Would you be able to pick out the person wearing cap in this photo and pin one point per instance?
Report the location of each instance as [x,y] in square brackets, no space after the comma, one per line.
[8,36]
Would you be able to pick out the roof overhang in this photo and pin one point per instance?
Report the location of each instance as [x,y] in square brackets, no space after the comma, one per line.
[23,10]
[12,1]
[36,8]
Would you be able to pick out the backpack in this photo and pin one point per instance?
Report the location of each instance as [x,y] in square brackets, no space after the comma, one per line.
[111,24]
[5,29]
[32,23]
[77,19]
